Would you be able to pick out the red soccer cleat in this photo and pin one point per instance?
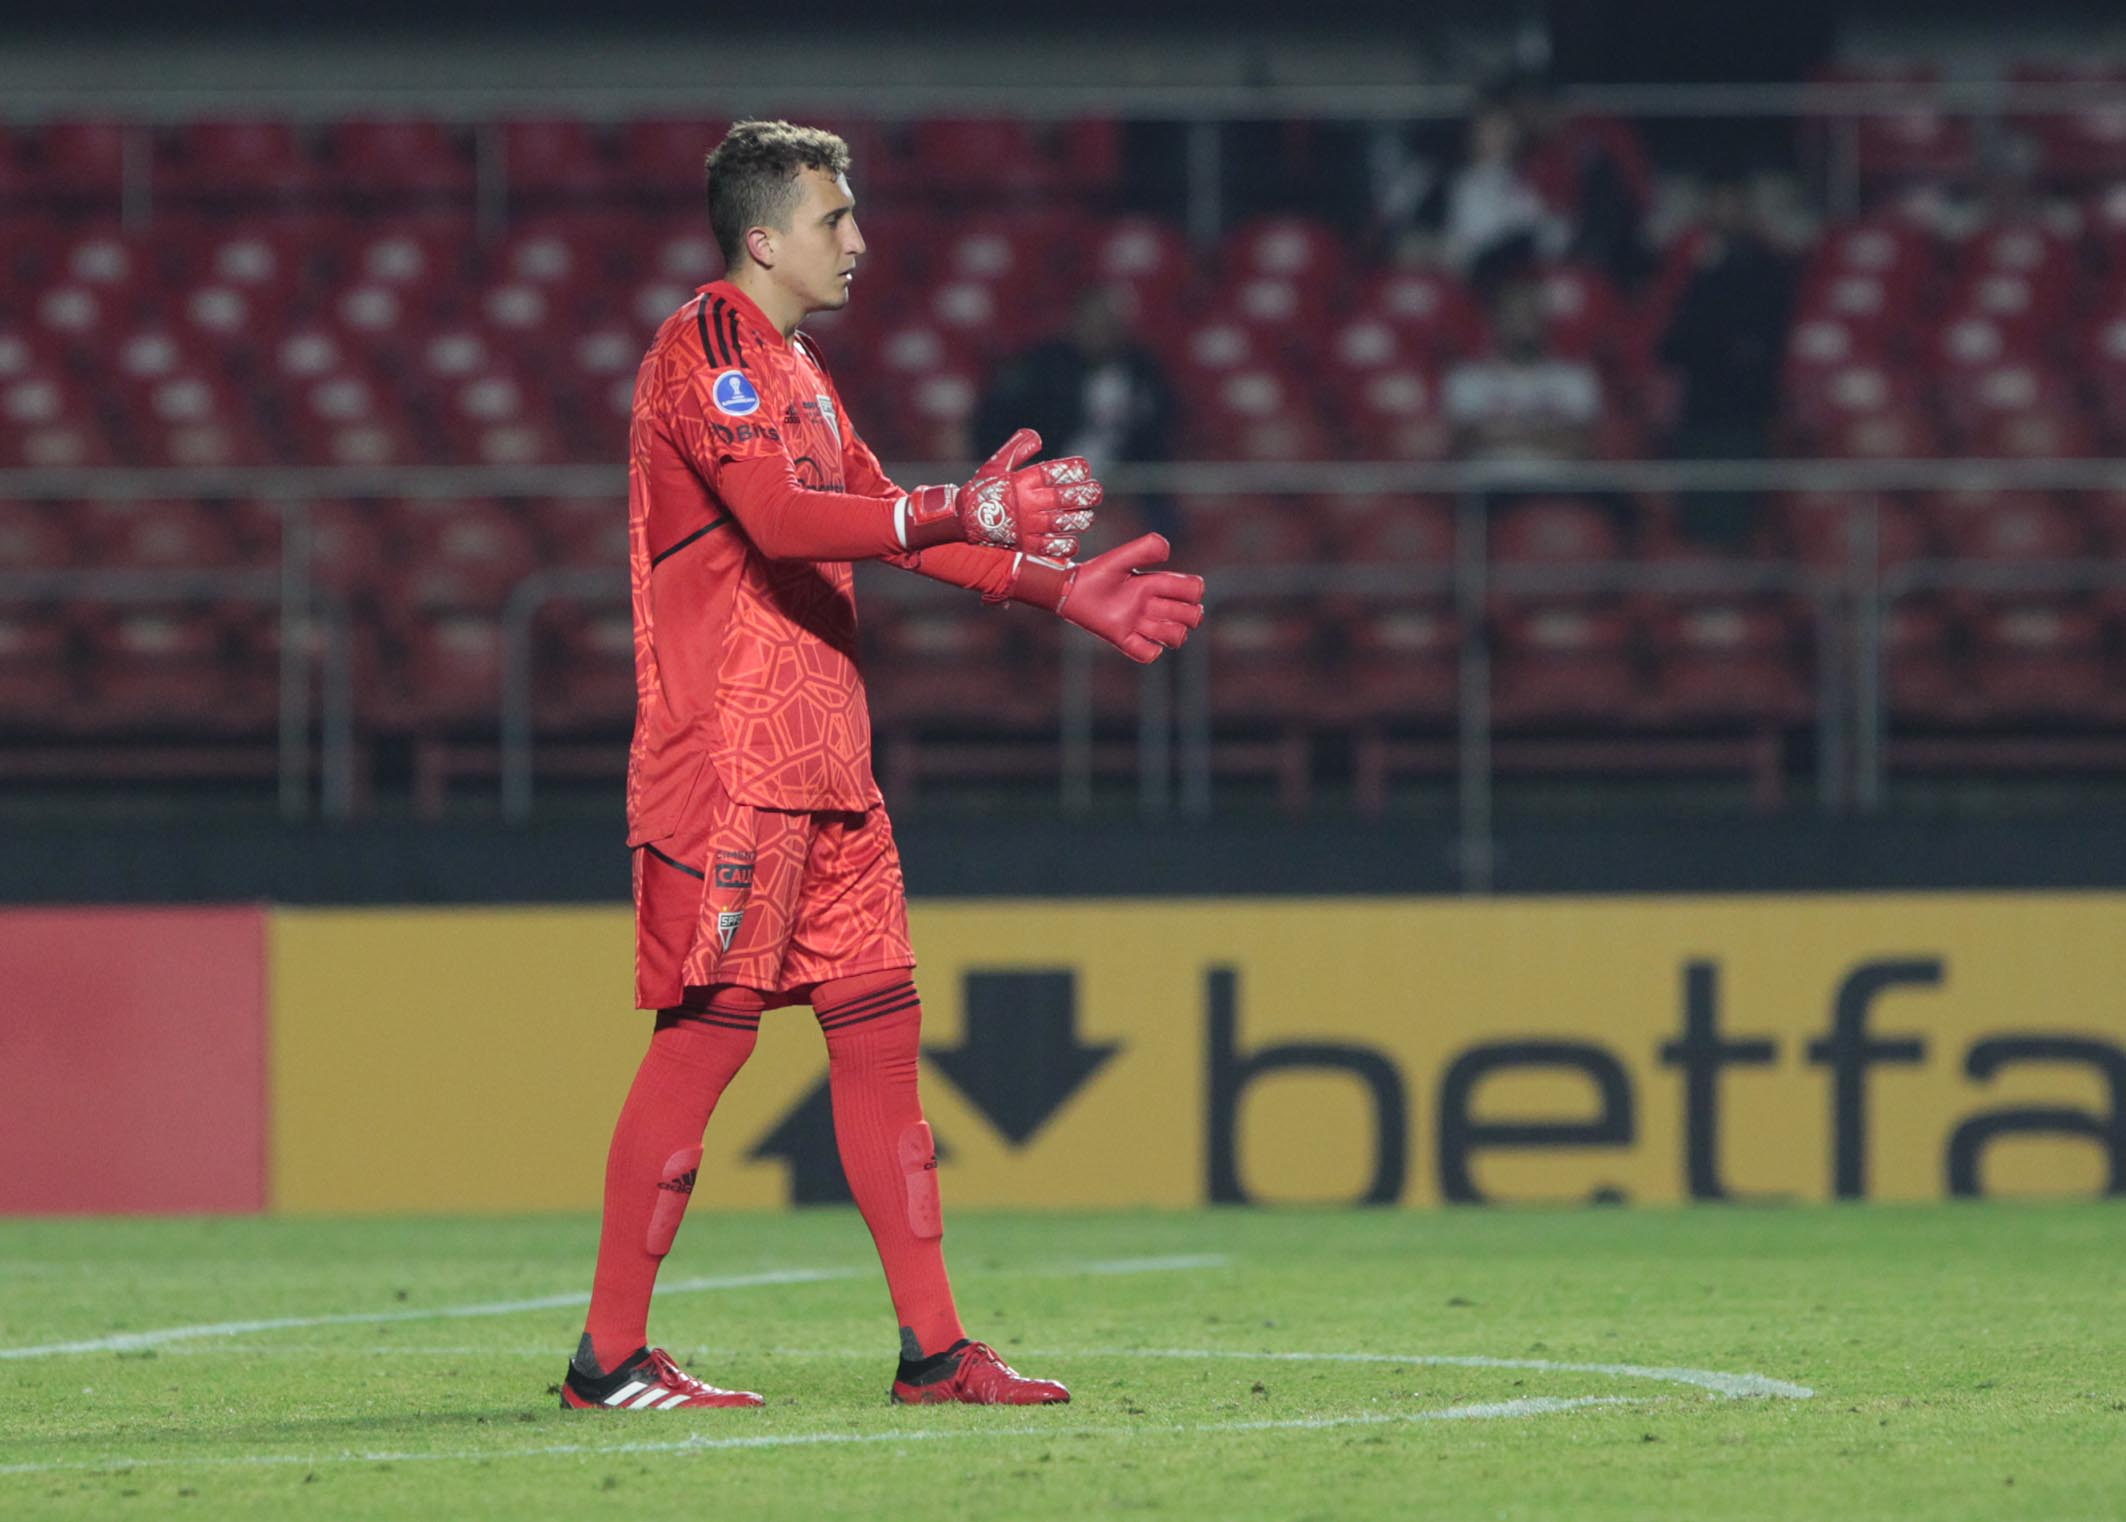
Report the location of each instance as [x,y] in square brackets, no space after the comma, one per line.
[978,1377]
[647,1380]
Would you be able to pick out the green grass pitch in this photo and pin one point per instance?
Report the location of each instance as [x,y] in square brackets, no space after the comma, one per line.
[1961,1361]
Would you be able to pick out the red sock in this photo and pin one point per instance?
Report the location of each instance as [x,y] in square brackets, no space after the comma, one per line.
[649,1172]
[873,1025]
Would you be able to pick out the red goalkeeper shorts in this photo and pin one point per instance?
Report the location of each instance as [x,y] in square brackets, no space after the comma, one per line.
[766,899]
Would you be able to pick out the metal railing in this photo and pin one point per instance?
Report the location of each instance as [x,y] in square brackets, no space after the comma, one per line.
[1174,732]
[1206,109]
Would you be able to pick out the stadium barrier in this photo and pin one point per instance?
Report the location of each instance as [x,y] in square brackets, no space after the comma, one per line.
[1111,1054]
[1849,753]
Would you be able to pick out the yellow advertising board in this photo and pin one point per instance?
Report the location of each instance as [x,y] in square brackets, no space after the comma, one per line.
[1174,1052]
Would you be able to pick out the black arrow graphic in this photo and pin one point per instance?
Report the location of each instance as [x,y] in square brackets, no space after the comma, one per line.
[804,1138]
[1020,1058]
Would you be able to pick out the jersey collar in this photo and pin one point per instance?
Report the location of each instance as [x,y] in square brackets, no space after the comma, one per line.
[749,312]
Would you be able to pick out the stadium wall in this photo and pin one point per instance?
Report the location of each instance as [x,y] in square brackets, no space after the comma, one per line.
[1117,1053]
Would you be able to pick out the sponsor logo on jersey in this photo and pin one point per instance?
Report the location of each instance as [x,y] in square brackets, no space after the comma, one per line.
[734,394]
[734,869]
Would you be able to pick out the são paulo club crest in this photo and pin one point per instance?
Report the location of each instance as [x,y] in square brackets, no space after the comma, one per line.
[734,394]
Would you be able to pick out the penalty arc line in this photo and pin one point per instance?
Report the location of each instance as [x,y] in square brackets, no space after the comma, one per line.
[122,1342]
[1536,1405]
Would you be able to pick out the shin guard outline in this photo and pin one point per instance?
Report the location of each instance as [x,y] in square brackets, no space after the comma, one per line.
[919,1170]
[675,1186]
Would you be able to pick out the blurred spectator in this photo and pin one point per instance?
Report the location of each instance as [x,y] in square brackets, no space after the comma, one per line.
[1094,391]
[1725,340]
[1592,173]
[1496,220]
[1522,401]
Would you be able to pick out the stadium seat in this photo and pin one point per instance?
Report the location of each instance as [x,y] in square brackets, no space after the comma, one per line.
[1563,663]
[1147,255]
[548,158]
[1402,664]
[2039,659]
[2078,146]
[353,548]
[142,534]
[461,555]
[1385,529]
[164,671]
[1729,660]
[666,158]
[81,163]
[38,678]
[234,163]
[584,532]
[1395,414]
[585,680]
[2005,526]
[1923,681]
[1286,248]
[1433,312]
[1820,528]
[398,160]
[35,536]
[444,674]
[1249,531]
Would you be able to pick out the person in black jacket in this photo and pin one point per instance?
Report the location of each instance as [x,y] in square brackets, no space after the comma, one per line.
[1093,392]
[1725,340]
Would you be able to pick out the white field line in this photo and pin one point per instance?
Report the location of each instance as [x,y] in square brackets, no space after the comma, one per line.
[121,1342]
[1733,1386]
[1535,1405]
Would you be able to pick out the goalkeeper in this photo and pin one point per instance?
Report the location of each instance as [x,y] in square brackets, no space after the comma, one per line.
[765,872]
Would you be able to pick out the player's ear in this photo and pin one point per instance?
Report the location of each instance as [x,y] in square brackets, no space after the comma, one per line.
[760,243]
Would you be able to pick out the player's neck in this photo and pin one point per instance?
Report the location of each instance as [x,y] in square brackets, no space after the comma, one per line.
[776,304]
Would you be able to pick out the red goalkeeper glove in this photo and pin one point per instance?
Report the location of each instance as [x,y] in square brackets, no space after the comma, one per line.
[1118,596]
[1041,509]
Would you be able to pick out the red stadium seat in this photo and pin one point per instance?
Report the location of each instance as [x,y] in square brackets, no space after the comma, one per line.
[353,548]
[668,157]
[234,162]
[34,536]
[1563,663]
[1249,531]
[1403,663]
[82,162]
[948,665]
[1286,248]
[1820,528]
[554,156]
[1922,678]
[1387,529]
[2083,145]
[1586,316]
[1149,256]
[1921,144]
[2035,659]
[400,159]
[37,666]
[586,673]
[1395,414]
[585,532]
[166,670]
[152,535]
[447,674]
[1281,313]
[1432,310]
[981,157]
[2006,526]
[461,554]
[1729,660]
[1554,531]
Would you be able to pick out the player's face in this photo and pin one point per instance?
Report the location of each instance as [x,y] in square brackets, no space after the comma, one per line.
[817,257]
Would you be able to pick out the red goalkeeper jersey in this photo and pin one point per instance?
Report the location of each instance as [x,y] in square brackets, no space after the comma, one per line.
[749,494]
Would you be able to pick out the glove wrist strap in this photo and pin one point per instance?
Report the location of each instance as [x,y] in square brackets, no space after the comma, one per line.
[930,515]
[1040,582]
